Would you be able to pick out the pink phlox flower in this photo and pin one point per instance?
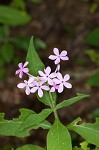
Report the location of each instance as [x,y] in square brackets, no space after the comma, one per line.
[39,86]
[47,76]
[22,69]
[26,85]
[62,81]
[57,57]
[54,87]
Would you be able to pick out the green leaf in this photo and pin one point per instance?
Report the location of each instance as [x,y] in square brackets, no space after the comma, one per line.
[21,126]
[3,72]
[58,137]
[35,64]
[4,33]
[39,44]
[36,1]
[20,42]
[18,4]
[71,100]
[73,123]
[90,132]
[94,56]
[12,16]
[7,52]
[30,147]
[94,79]
[93,38]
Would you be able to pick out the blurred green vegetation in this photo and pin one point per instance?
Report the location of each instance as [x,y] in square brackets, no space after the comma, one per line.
[14,15]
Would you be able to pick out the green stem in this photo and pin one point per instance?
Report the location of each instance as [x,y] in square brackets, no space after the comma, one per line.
[53,106]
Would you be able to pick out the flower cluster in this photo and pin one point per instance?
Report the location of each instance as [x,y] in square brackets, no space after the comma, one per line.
[47,80]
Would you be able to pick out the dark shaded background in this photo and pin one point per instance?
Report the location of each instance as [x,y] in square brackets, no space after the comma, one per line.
[63,24]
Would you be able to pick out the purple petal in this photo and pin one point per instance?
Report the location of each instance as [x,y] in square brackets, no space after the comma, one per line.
[52,89]
[59,76]
[17,71]
[20,65]
[66,77]
[25,70]
[20,74]
[52,57]
[46,88]
[34,89]
[21,85]
[57,61]
[67,85]
[57,81]
[40,92]
[52,75]
[41,73]
[48,70]
[58,67]
[25,64]
[50,81]
[61,87]
[56,51]
[27,91]
[64,58]
[31,79]
[63,53]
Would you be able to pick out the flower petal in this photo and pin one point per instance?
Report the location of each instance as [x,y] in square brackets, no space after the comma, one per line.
[45,87]
[57,61]
[20,65]
[52,89]
[48,70]
[41,74]
[56,51]
[20,74]
[27,91]
[31,79]
[34,89]
[67,85]
[21,85]
[25,64]
[25,70]
[64,58]
[50,81]
[52,75]
[61,87]
[63,53]
[17,71]
[40,92]
[59,76]
[66,77]
[52,57]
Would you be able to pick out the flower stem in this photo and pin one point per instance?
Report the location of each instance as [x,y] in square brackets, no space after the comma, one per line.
[53,106]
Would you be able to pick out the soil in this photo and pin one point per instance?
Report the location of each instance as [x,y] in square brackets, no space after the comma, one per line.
[63,24]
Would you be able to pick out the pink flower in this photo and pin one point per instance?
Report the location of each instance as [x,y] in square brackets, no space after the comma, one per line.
[47,76]
[57,57]
[62,81]
[54,87]
[40,87]
[26,85]
[22,69]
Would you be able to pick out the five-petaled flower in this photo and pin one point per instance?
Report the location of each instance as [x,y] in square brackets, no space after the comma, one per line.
[47,76]
[22,69]
[57,57]
[39,86]
[26,85]
[62,81]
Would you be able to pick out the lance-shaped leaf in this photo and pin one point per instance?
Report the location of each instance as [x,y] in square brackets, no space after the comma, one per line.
[21,126]
[90,132]
[30,147]
[58,137]
[35,64]
[12,16]
[71,100]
